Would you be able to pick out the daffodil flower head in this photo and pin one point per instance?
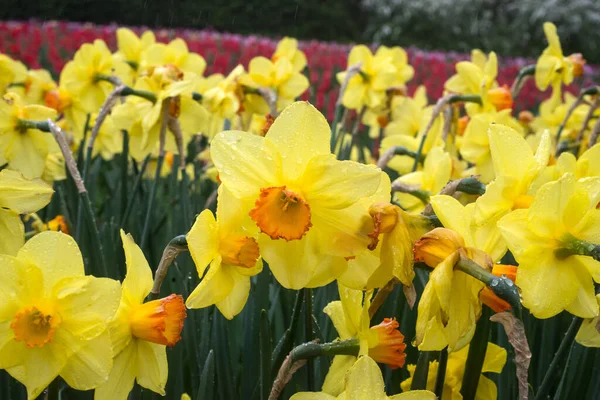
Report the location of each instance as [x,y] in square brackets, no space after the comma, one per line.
[303,200]
[350,316]
[11,71]
[54,318]
[288,48]
[132,48]
[552,68]
[553,112]
[494,361]
[109,140]
[368,87]
[36,84]
[364,381]
[228,246]
[551,278]
[24,148]
[399,59]
[81,76]
[140,331]
[406,114]
[175,53]
[18,196]
[589,334]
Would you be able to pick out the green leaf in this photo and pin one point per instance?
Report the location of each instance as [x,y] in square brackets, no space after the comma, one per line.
[207,379]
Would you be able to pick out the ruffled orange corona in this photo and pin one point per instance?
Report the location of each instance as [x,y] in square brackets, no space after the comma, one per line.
[57,224]
[488,297]
[35,326]
[281,213]
[435,246]
[390,346]
[159,321]
[241,251]
[384,218]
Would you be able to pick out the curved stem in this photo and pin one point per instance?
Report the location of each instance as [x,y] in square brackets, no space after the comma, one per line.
[522,76]
[176,246]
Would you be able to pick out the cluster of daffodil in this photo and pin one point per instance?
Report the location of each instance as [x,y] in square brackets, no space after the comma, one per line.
[471,195]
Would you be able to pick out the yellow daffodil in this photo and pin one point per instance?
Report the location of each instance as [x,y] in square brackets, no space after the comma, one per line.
[515,167]
[228,245]
[55,168]
[221,99]
[23,148]
[552,114]
[81,75]
[494,361]
[551,278]
[472,78]
[364,381]
[141,331]
[109,140]
[589,333]
[288,48]
[144,119]
[11,71]
[279,76]
[407,114]
[350,316]
[436,172]
[175,53]
[18,196]
[475,146]
[399,59]
[368,87]
[404,164]
[37,83]
[70,107]
[132,48]
[53,319]
[552,68]
[304,201]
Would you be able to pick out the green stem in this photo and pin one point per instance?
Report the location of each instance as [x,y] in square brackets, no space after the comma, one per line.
[582,94]
[310,350]
[124,172]
[286,342]
[339,110]
[525,72]
[91,220]
[574,246]
[136,185]
[308,326]
[159,163]
[144,94]
[549,378]
[419,381]
[441,373]
[476,356]
[471,185]
[265,356]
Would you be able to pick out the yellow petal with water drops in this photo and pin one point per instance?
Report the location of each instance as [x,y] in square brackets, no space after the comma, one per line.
[334,380]
[414,395]
[90,364]
[330,183]
[592,266]
[55,254]
[22,195]
[364,381]
[499,198]
[495,358]
[344,327]
[452,215]
[85,304]
[214,287]
[360,269]
[138,280]
[235,301]
[430,334]
[152,367]
[589,162]
[514,230]
[300,133]
[245,162]
[353,305]
[550,207]
[510,153]
[542,154]
[122,376]
[12,232]
[203,238]
[312,396]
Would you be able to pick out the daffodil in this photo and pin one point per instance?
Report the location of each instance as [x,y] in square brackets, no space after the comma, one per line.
[288,48]
[24,148]
[175,53]
[399,59]
[367,88]
[69,106]
[436,173]
[552,68]
[279,76]
[81,76]
[18,196]
[53,319]
[364,381]
[475,145]
[407,114]
[494,361]
[109,140]
[473,78]
[515,167]
[551,278]
[303,200]
[589,333]
[553,112]
[141,331]
[55,168]
[132,48]
[11,71]
[350,316]
[232,253]
[36,84]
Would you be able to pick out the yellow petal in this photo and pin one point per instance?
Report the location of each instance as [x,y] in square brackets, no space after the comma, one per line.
[510,153]
[152,367]
[335,312]
[245,162]
[21,195]
[312,396]
[12,232]
[55,254]
[495,358]
[588,334]
[90,365]
[486,389]
[27,153]
[453,216]
[122,376]
[235,301]
[552,36]
[213,287]
[362,54]
[547,213]
[364,381]
[334,380]
[203,238]
[300,133]
[138,281]
[415,395]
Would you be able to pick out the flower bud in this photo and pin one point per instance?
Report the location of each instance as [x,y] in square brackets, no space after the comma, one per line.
[500,97]
[462,125]
[578,63]
[435,246]
[526,117]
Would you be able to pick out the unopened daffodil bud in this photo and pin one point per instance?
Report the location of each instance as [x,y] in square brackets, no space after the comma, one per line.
[526,117]
[500,97]
[435,246]
[462,125]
